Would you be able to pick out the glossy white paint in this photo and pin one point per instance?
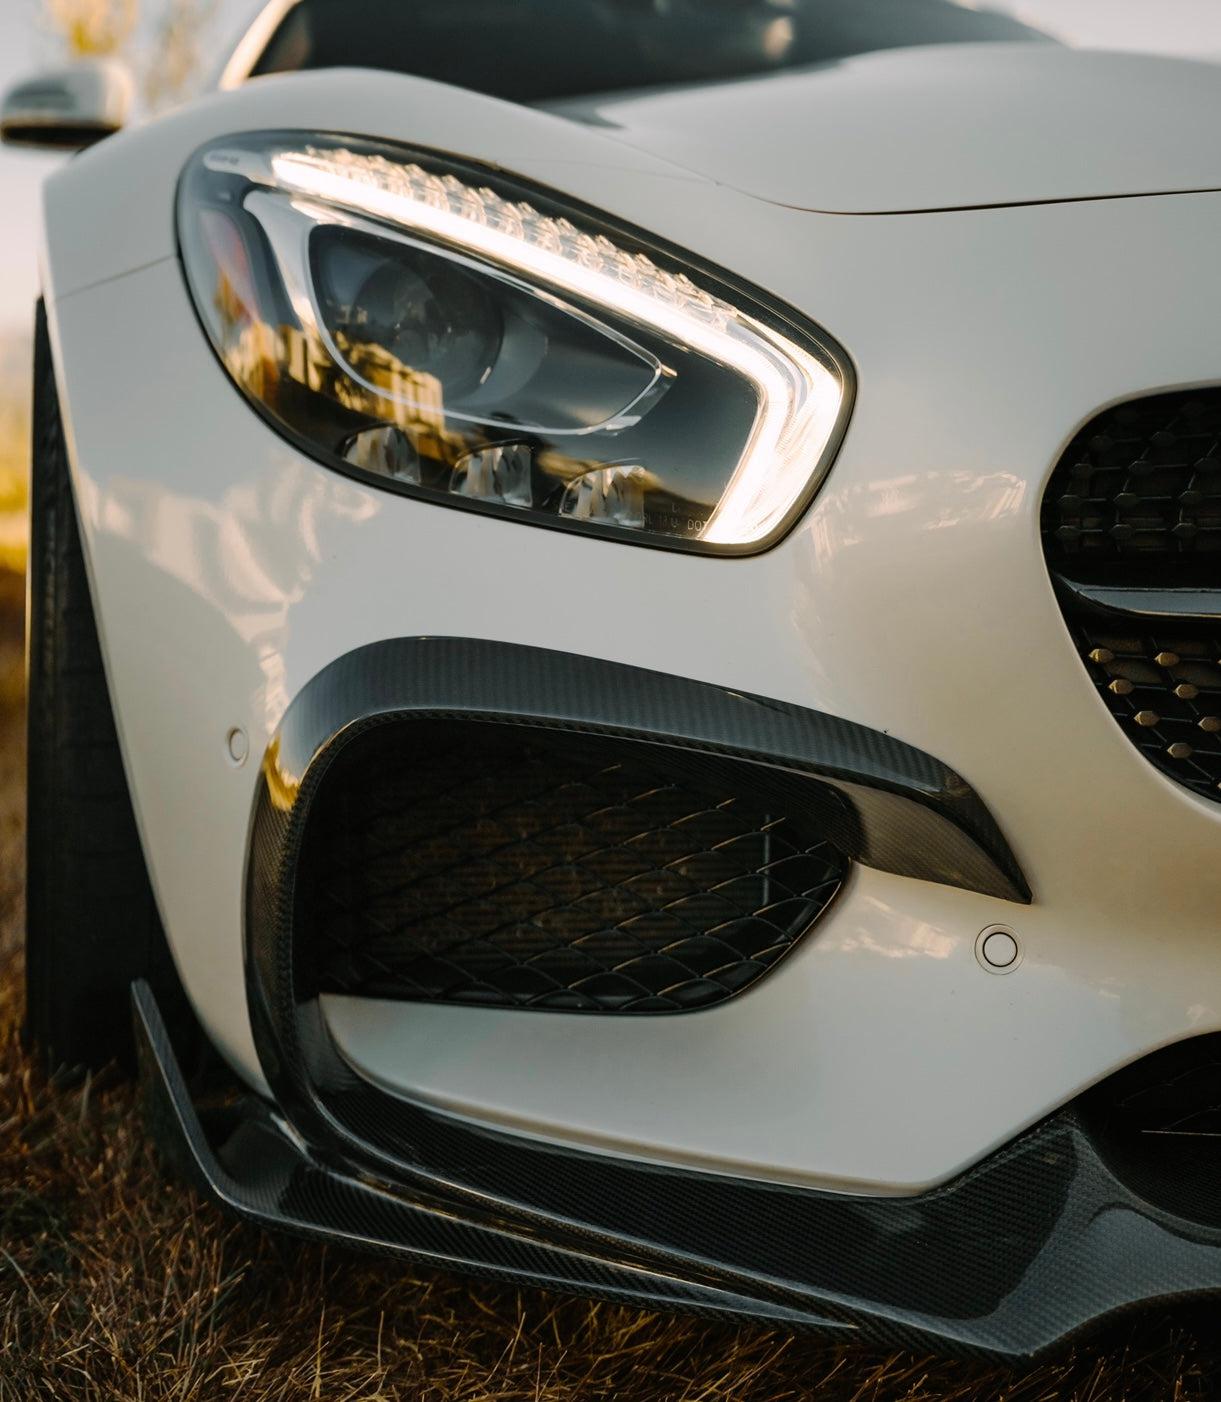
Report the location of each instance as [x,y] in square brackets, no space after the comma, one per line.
[127,188]
[941,127]
[229,569]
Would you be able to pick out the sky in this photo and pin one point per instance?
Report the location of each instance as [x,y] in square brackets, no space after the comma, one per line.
[1191,28]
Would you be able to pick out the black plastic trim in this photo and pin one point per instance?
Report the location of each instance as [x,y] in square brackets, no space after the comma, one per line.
[1164,605]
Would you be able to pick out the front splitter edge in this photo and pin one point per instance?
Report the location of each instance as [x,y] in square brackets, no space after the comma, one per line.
[1098,1248]
[263,1174]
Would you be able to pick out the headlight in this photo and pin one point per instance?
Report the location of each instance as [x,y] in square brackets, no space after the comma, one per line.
[439,331]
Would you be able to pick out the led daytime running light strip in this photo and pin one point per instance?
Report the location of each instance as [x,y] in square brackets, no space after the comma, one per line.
[799,397]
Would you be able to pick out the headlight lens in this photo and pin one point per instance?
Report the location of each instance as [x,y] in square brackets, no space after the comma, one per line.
[436,330]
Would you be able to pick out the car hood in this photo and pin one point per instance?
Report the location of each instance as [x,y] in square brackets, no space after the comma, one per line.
[945,127]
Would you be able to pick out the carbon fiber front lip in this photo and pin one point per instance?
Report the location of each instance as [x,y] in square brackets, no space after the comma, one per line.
[263,1174]
[1035,1244]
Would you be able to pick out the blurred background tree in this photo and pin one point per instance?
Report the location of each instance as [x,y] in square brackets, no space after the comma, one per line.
[14,465]
[177,50]
[163,42]
[93,28]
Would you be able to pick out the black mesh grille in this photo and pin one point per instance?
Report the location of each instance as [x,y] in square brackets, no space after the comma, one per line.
[1143,479]
[1132,532]
[1162,682]
[489,864]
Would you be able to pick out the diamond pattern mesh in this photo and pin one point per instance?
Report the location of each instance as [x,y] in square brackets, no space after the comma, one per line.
[485,864]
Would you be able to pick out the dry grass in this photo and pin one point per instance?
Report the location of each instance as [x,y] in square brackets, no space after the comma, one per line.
[118,1284]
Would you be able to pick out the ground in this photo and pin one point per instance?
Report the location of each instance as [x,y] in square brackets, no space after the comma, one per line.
[117,1283]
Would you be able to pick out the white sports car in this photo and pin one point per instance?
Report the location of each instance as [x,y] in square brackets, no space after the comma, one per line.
[626,611]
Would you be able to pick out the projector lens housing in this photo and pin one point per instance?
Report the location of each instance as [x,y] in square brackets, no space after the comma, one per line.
[440,331]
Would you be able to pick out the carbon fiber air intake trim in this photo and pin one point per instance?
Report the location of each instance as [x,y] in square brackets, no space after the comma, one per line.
[1038,1242]
[881,802]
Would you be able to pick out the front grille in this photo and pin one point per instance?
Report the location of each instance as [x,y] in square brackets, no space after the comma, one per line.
[1132,533]
[1141,480]
[1163,685]
[489,864]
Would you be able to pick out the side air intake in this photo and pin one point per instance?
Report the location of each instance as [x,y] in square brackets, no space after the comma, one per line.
[493,864]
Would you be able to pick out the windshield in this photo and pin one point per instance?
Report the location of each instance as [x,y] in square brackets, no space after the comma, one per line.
[540,51]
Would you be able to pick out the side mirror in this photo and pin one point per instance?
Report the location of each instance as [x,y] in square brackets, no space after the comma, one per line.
[67,108]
